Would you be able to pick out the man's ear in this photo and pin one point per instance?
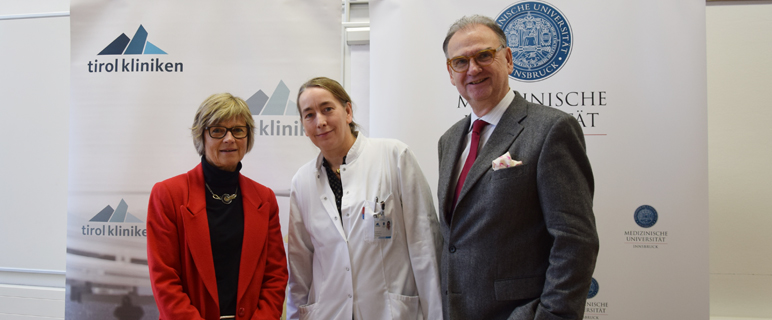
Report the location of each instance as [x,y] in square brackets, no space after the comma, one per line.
[510,62]
[450,73]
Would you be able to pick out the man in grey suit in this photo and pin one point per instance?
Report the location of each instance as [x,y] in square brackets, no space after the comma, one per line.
[519,242]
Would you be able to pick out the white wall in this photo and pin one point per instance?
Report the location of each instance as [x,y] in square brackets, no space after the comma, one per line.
[34,85]
[739,150]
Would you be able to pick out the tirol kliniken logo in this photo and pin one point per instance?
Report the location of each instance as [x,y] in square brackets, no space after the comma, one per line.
[118,222]
[540,38]
[269,112]
[132,56]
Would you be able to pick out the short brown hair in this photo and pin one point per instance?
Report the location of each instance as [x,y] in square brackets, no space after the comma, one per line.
[217,108]
[332,87]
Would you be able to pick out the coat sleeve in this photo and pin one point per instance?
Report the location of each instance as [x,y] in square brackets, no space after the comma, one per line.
[565,187]
[422,231]
[163,251]
[274,284]
[439,166]
[301,254]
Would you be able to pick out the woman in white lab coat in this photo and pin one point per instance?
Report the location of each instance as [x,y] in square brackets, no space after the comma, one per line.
[363,234]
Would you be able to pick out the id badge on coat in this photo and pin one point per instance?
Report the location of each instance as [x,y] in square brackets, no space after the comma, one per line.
[381,227]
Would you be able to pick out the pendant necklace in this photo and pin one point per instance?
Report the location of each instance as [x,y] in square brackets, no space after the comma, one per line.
[226,198]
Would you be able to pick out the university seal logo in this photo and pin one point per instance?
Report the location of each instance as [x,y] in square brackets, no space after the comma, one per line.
[593,289]
[646,216]
[540,38]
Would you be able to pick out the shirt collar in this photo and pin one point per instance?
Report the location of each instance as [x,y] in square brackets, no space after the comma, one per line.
[493,116]
[352,154]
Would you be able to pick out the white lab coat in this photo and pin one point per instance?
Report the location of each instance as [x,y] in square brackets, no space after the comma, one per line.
[337,270]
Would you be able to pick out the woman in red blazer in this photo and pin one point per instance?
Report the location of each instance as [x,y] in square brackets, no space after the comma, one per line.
[214,243]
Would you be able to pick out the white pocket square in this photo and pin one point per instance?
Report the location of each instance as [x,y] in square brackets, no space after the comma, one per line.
[505,161]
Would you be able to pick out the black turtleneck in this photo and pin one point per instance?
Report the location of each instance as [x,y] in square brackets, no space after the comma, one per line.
[226,232]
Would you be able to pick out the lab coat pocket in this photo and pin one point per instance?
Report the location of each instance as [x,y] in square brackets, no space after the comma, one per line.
[405,307]
[377,220]
[306,311]
[368,219]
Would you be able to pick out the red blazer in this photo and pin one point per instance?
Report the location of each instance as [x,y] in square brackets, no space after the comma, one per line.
[180,253]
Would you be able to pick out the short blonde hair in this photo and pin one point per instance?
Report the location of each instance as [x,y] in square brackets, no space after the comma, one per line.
[217,108]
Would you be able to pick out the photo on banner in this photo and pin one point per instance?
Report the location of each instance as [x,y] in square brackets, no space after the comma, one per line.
[139,71]
[633,75]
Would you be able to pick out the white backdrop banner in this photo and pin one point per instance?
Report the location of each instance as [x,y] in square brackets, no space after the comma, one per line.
[633,73]
[139,71]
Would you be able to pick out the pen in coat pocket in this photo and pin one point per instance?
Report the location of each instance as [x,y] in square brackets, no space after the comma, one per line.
[363,213]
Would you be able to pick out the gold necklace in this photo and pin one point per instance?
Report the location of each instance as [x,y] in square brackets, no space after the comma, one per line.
[226,198]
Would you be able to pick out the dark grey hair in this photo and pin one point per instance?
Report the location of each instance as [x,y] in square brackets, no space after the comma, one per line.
[468,22]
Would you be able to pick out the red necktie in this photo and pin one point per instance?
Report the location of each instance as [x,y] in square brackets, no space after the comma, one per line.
[477,129]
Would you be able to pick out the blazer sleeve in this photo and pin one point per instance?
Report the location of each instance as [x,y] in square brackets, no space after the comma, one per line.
[163,251]
[424,241]
[301,254]
[565,187]
[274,284]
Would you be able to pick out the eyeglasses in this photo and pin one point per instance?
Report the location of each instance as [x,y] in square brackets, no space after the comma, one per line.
[238,132]
[482,57]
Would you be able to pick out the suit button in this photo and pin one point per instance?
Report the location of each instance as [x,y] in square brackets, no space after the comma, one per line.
[241,312]
[452,249]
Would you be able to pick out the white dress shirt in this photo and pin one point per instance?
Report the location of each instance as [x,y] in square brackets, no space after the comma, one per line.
[492,118]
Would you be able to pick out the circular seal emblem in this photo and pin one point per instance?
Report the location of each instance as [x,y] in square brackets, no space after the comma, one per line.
[593,289]
[646,216]
[540,38]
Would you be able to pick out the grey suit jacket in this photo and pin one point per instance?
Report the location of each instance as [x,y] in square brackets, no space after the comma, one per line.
[521,243]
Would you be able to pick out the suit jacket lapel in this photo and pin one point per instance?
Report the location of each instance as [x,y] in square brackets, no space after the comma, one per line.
[197,230]
[255,230]
[505,133]
[452,151]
